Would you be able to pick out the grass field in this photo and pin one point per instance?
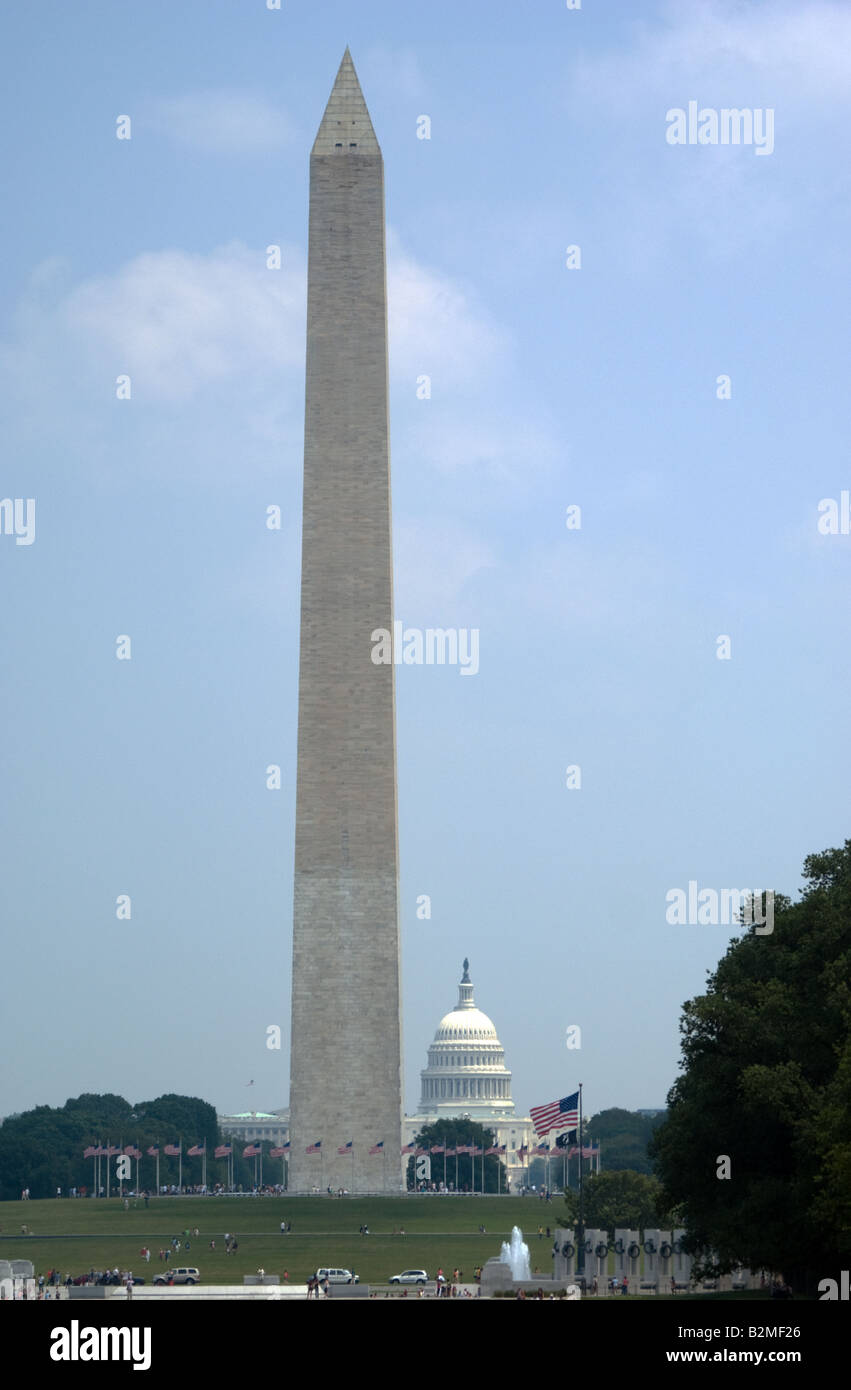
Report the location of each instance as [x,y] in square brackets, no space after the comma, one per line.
[76,1235]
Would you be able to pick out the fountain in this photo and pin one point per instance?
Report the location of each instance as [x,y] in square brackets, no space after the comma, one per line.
[516,1255]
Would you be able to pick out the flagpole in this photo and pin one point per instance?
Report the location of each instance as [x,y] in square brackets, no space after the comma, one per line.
[581,1238]
[180,1169]
[158,1167]
[108,1147]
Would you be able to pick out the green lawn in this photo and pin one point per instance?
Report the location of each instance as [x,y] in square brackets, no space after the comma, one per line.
[75,1235]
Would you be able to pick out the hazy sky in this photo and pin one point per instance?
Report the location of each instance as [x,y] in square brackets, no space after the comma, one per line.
[550,387]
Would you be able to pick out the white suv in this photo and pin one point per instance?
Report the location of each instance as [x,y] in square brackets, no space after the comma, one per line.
[337,1276]
[409,1276]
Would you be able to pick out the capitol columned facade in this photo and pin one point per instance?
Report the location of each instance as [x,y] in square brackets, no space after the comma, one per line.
[466,1077]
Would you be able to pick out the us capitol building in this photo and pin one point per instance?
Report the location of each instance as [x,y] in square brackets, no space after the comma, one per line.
[465,1077]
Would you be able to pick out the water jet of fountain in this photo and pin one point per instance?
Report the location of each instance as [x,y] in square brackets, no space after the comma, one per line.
[516,1255]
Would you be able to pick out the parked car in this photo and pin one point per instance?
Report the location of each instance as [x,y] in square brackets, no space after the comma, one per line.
[337,1276]
[409,1276]
[180,1274]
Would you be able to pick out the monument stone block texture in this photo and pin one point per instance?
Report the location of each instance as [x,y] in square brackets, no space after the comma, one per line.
[346,1059]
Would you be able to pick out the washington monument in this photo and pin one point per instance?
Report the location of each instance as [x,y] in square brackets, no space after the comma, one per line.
[346,1068]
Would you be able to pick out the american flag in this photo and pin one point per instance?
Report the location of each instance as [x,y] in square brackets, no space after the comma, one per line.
[559,1114]
[113,1151]
[542,1149]
[222,1151]
[173,1150]
[588,1150]
[475,1151]
[197,1150]
[132,1152]
[408,1149]
[346,1148]
[90,1152]
[464,1148]
[277,1153]
[438,1148]
[377,1148]
[154,1150]
[495,1150]
[450,1153]
[314,1148]
[251,1150]
[522,1151]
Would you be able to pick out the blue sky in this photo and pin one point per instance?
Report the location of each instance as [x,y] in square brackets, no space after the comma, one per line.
[550,387]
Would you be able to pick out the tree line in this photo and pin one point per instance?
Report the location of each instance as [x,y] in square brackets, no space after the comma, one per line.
[42,1149]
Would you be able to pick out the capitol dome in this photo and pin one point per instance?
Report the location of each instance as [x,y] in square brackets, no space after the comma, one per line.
[466,1072]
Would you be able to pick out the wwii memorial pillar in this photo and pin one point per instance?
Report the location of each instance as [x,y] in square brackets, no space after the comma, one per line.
[346,1060]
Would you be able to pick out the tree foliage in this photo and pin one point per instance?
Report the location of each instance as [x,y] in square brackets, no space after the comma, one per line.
[767,1082]
[618,1198]
[42,1149]
[624,1137]
[451,1133]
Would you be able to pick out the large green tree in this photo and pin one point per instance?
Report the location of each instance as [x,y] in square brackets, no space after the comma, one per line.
[42,1149]
[624,1136]
[756,1149]
[618,1198]
[451,1133]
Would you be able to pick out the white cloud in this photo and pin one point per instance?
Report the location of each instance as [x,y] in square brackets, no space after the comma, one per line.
[792,57]
[802,49]
[176,321]
[435,557]
[181,324]
[436,327]
[222,121]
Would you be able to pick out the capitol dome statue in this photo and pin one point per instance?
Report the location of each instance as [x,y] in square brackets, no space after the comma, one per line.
[466,1072]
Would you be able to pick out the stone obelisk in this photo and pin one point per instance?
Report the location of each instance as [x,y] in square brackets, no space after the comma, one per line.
[346,1068]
